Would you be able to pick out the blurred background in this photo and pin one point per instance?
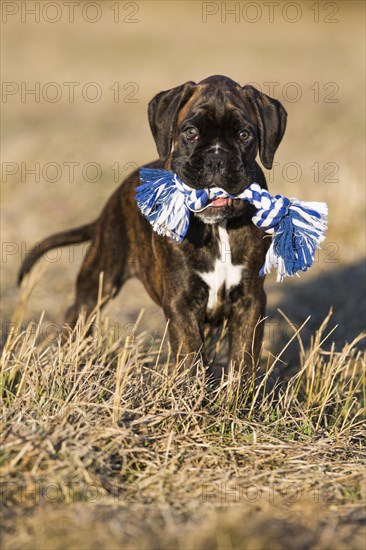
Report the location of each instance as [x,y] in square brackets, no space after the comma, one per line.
[76,83]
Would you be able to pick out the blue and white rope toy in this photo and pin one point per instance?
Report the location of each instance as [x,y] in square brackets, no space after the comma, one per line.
[297,227]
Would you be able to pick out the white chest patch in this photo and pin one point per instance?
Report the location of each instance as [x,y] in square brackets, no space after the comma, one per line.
[224,272]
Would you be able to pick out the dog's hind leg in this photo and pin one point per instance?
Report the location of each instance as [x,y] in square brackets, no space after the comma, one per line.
[101,276]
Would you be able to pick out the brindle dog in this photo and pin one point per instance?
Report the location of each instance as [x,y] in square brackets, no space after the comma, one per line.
[209,134]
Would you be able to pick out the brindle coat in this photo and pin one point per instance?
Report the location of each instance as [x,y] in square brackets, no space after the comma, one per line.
[233,124]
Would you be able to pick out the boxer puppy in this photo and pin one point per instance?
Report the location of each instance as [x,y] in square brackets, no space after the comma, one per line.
[209,134]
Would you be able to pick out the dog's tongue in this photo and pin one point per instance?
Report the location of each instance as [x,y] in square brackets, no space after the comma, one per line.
[221,202]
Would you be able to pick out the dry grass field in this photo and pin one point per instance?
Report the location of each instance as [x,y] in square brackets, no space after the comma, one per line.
[102,447]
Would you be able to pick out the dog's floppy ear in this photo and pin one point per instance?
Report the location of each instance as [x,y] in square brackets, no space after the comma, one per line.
[163,112]
[271,118]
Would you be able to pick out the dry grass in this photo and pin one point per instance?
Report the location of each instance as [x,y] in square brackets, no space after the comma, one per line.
[102,447]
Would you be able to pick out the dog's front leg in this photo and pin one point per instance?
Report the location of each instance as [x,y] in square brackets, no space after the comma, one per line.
[246,325]
[185,330]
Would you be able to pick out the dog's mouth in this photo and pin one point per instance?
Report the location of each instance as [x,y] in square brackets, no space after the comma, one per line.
[220,202]
[220,209]
[225,203]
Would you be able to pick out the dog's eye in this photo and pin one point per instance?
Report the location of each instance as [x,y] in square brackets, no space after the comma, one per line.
[243,135]
[191,134]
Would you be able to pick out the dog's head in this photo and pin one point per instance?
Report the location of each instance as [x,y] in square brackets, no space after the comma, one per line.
[210,133]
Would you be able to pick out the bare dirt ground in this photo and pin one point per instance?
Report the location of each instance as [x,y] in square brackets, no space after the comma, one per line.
[102,448]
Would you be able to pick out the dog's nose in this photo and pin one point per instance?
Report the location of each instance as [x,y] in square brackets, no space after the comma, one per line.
[216,163]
